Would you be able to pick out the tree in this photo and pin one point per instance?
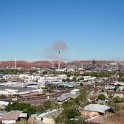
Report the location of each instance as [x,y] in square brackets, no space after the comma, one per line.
[71,113]
[117,99]
[67,80]
[98,74]
[44,72]
[82,98]
[114,107]
[11,71]
[101,97]
[66,116]
[121,77]
[22,107]
[76,121]
[45,106]
[117,87]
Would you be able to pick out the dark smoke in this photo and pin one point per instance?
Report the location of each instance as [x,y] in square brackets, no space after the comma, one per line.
[52,52]
[58,46]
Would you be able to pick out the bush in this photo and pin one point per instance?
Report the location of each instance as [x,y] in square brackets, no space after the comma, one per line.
[117,99]
[71,113]
[115,107]
[101,97]
[45,106]
[27,108]
[76,121]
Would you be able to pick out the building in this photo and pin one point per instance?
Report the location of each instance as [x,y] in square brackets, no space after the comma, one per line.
[64,97]
[94,113]
[96,108]
[48,116]
[3,104]
[12,117]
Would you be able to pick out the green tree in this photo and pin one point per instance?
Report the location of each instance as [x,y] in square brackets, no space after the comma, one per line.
[117,99]
[82,98]
[114,107]
[75,121]
[121,77]
[47,105]
[98,74]
[21,106]
[101,97]
[71,113]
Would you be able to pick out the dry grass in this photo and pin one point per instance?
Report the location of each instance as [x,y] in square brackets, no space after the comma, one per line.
[117,118]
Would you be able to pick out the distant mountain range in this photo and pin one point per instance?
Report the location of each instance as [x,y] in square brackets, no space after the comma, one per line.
[26,64]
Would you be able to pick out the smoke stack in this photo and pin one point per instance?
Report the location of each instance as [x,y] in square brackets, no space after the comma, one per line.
[59,60]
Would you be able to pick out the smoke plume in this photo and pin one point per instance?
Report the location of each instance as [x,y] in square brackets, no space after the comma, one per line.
[51,53]
[58,46]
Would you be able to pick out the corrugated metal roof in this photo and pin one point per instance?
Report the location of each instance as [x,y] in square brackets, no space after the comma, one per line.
[66,96]
[53,113]
[96,108]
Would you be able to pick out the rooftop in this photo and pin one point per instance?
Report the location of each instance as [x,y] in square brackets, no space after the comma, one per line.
[96,108]
[13,115]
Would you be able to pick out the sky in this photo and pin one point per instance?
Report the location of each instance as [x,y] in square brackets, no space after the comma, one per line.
[91,29]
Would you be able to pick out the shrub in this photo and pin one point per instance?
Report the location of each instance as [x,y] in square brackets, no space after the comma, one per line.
[101,97]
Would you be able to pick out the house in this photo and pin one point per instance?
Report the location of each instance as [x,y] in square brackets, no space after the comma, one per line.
[3,103]
[23,117]
[89,78]
[12,117]
[48,121]
[96,108]
[64,97]
[48,116]
[93,113]
[68,85]
[75,91]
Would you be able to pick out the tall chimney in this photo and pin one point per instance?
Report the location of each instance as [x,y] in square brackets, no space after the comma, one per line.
[59,60]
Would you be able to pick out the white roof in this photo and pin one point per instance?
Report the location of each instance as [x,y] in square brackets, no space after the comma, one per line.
[96,108]
[4,103]
[50,113]
[23,115]
[75,90]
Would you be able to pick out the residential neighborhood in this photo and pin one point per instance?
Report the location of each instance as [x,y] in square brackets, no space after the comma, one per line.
[94,96]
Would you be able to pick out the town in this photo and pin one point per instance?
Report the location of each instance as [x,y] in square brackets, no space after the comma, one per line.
[77,92]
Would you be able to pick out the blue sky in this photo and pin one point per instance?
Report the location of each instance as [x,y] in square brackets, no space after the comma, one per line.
[92,29]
